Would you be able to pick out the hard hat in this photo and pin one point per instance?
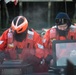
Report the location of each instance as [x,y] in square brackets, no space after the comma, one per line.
[19,24]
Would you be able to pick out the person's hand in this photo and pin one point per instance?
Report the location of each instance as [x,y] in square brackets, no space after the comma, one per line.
[32,60]
[49,59]
[2,56]
[51,62]
[42,61]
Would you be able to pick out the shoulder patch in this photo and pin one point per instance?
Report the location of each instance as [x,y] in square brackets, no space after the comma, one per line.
[52,30]
[43,40]
[72,29]
[30,34]
[1,42]
[54,26]
[40,46]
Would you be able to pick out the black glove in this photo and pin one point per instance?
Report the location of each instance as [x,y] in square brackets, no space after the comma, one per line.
[2,56]
[32,59]
[48,59]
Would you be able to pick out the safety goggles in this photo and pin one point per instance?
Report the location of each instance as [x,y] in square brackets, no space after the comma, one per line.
[61,21]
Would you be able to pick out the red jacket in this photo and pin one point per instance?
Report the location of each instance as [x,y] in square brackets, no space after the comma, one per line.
[32,44]
[51,35]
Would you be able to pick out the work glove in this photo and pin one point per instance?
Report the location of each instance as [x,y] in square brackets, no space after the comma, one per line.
[42,61]
[2,56]
[48,59]
[32,59]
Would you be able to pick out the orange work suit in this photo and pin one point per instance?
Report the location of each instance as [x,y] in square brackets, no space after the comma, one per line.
[31,46]
[51,35]
[33,39]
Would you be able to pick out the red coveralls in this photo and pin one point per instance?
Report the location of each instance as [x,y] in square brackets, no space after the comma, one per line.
[51,35]
[31,45]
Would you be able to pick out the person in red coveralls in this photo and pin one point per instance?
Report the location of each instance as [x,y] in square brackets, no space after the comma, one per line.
[61,31]
[21,42]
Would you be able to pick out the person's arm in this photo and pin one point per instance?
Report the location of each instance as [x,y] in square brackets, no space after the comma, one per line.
[46,39]
[3,40]
[3,43]
[38,45]
[41,52]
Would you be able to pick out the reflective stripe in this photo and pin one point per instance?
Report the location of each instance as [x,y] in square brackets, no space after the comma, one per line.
[72,26]
[52,30]
[30,32]
[40,46]
[54,26]
[44,40]
[1,42]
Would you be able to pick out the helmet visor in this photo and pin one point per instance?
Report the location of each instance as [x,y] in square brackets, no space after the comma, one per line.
[61,21]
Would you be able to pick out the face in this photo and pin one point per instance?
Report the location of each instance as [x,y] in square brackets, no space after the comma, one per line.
[62,27]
